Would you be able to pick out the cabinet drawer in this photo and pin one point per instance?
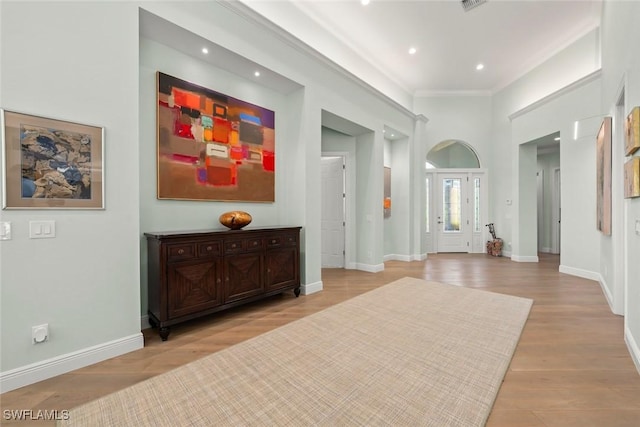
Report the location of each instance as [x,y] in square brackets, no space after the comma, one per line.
[242,245]
[254,244]
[206,249]
[233,246]
[282,240]
[181,251]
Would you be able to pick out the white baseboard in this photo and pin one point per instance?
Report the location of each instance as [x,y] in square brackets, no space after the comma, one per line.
[350,266]
[311,288]
[585,274]
[632,345]
[524,258]
[545,250]
[605,291]
[405,258]
[371,268]
[39,371]
[396,257]
[506,254]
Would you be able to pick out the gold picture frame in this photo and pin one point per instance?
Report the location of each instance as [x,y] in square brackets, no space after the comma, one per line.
[51,163]
[632,132]
[632,178]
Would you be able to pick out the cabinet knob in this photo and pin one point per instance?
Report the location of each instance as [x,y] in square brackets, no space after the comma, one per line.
[209,248]
[233,245]
[219,280]
[273,241]
[180,251]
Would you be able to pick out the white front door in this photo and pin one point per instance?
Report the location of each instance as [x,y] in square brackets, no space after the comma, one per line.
[332,220]
[452,216]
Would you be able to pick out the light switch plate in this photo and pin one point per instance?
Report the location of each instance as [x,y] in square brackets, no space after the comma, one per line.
[42,229]
[5,230]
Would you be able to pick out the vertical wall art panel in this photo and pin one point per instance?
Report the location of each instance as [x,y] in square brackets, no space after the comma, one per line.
[212,146]
[632,132]
[632,178]
[603,177]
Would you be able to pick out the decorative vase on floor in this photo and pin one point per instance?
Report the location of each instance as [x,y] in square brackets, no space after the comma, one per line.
[235,220]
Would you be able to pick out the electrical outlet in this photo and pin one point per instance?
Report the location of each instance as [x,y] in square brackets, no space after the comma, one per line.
[40,333]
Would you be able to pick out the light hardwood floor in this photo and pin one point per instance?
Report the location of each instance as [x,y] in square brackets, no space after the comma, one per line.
[571,366]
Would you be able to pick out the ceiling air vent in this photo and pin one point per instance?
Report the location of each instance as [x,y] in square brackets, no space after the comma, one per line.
[467,5]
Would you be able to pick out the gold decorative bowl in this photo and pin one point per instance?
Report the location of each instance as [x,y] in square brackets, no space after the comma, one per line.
[235,220]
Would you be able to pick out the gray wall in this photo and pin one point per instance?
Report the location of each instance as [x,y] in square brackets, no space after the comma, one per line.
[66,61]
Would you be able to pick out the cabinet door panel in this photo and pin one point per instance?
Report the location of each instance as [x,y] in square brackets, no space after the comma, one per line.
[243,276]
[282,268]
[194,286]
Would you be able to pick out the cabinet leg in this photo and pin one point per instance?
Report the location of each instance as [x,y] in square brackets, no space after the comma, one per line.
[296,291]
[152,323]
[164,333]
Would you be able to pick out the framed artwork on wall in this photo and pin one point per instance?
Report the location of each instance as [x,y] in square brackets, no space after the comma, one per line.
[51,163]
[211,146]
[387,192]
[603,177]
[632,132]
[632,178]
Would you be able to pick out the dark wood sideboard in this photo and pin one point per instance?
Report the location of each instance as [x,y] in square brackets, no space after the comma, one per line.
[196,273]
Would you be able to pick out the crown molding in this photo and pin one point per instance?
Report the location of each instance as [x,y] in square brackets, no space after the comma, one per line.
[254,17]
[554,95]
[450,93]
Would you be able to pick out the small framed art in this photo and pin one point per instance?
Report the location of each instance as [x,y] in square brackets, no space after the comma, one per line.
[632,178]
[51,164]
[632,132]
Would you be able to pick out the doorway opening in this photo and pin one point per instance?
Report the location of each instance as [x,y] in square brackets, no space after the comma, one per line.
[456,198]
[548,185]
[333,216]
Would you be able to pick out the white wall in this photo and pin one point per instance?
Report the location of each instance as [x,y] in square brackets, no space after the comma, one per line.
[568,66]
[84,65]
[67,61]
[621,71]
[579,236]
[464,118]
[160,215]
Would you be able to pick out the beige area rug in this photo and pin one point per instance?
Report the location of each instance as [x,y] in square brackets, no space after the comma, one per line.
[409,353]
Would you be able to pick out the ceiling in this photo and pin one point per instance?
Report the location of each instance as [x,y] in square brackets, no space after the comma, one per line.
[510,37]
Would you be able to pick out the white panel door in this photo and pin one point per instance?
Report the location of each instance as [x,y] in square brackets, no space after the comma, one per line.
[454,231]
[332,215]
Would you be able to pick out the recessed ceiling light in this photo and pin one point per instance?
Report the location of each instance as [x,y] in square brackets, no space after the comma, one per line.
[365,2]
[257,74]
[205,50]
[479,67]
[412,50]
[557,138]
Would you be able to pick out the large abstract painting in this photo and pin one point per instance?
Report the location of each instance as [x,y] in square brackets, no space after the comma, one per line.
[212,146]
[603,177]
